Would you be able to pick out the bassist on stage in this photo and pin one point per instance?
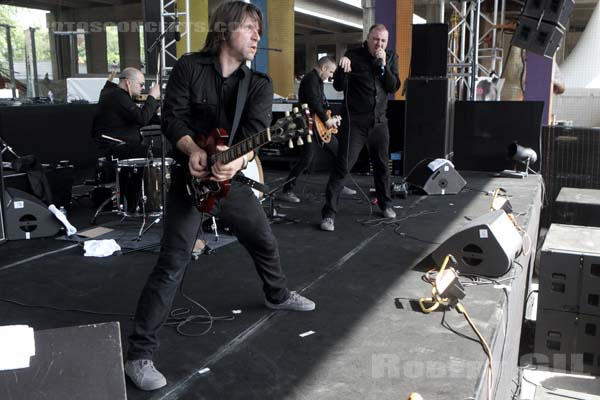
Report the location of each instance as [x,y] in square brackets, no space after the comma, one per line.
[201,96]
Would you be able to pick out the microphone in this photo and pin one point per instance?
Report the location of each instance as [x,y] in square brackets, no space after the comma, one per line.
[380,66]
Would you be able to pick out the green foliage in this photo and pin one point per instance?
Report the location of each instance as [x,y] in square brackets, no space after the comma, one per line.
[10,15]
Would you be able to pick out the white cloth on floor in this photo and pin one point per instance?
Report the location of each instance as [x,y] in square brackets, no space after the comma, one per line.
[100,248]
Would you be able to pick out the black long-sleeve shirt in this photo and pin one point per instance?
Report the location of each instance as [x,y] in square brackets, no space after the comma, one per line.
[311,92]
[199,99]
[119,117]
[367,87]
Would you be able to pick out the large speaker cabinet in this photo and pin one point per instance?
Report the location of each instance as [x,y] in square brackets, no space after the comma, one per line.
[568,315]
[429,53]
[427,133]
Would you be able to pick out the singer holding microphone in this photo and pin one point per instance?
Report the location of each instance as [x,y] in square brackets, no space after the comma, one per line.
[366,75]
[117,123]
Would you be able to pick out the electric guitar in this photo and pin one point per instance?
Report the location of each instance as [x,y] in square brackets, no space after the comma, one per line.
[205,191]
[322,129]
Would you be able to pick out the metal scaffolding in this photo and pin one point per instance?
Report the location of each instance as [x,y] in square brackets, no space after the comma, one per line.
[475,42]
[170,21]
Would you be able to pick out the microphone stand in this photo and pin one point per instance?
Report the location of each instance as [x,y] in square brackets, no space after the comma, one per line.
[158,46]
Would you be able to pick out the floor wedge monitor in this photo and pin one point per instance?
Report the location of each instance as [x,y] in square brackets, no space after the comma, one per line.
[485,246]
[436,177]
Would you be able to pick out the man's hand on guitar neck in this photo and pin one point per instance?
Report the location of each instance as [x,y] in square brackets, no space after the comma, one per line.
[223,172]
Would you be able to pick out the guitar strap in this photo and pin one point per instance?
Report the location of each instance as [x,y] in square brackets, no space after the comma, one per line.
[241,101]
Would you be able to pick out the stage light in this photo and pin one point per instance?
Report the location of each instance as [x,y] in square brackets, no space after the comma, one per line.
[519,154]
[522,154]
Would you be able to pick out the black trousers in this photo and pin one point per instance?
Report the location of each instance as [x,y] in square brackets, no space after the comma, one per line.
[308,154]
[362,131]
[243,214]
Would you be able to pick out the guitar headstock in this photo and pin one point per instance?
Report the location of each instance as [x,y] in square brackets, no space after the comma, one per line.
[294,125]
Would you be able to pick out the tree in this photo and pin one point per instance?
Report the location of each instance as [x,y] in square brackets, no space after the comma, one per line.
[10,15]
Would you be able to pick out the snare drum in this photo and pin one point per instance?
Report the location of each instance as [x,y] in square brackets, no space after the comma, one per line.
[138,186]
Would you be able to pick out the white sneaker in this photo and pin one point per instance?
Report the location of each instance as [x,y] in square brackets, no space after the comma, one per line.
[296,302]
[327,224]
[144,375]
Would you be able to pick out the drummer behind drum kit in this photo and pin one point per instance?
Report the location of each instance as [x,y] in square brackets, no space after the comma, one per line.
[141,183]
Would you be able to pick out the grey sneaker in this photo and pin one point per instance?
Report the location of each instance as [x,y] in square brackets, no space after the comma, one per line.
[389,213]
[348,192]
[143,374]
[295,302]
[327,225]
[288,197]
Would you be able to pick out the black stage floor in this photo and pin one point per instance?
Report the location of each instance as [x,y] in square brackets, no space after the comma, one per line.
[369,340]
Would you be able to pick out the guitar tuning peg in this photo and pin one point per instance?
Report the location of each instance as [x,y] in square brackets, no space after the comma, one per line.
[290,144]
[309,138]
[287,113]
[304,106]
[300,142]
[295,110]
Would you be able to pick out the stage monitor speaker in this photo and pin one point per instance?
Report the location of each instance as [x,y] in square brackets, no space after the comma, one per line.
[81,362]
[555,12]
[436,179]
[27,217]
[536,36]
[429,52]
[428,120]
[485,246]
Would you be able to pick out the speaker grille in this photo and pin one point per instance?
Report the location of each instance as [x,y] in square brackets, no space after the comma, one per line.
[571,159]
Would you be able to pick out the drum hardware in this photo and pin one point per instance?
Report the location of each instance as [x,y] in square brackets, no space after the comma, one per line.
[273,215]
[138,191]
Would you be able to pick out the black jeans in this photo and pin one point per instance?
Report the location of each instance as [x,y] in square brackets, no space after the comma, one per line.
[362,131]
[243,214]
[308,154]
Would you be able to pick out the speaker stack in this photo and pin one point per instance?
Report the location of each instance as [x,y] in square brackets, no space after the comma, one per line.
[542,25]
[428,114]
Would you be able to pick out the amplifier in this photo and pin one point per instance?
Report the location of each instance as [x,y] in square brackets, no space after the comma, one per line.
[60,177]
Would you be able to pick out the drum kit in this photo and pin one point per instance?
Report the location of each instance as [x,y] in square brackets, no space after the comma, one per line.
[141,184]
[140,187]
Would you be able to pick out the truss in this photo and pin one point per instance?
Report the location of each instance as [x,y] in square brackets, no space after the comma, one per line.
[171,13]
[475,42]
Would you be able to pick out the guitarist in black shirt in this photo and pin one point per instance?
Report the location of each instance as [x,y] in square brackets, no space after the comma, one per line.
[202,95]
[311,92]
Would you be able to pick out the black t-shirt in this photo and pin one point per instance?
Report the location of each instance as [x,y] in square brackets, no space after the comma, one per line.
[367,87]
[311,92]
[119,117]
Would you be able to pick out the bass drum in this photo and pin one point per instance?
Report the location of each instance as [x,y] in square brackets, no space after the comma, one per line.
[255,171]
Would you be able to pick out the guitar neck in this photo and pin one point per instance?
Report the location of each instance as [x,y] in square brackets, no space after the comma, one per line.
[245,146]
